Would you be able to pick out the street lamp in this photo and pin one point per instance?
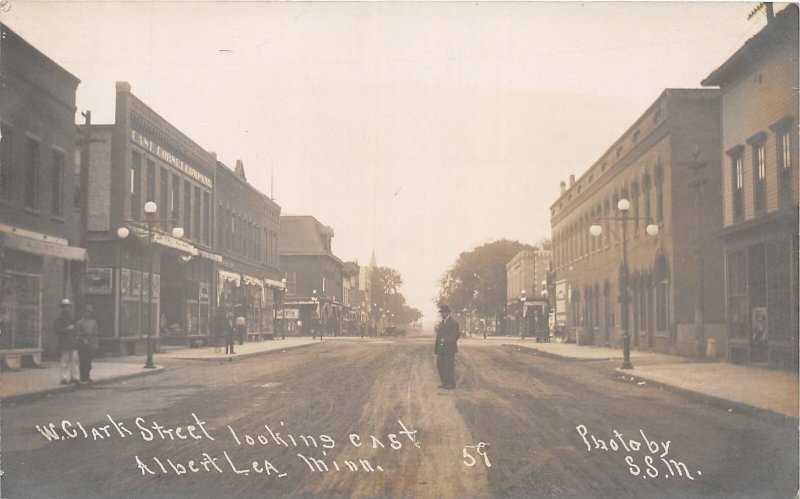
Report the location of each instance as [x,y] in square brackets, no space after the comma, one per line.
[315,320]
[623,205]
[284,321]
[150,209]
[522,300]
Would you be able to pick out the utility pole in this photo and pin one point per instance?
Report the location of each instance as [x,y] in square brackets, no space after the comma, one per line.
[696,184]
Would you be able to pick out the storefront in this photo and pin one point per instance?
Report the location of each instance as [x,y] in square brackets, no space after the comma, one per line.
[250,297]
[35,271]
[762,277]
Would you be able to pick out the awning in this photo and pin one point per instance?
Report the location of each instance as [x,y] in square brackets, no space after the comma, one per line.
[164,240]
[275,284]
[41,247]
[209,255]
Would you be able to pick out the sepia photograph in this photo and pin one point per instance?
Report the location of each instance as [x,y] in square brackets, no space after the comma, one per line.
[399,249]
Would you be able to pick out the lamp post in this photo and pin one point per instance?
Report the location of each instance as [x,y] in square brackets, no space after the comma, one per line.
[150,209]
[623,205]
[546,312]
[315,316]
[522,300]
[284,321]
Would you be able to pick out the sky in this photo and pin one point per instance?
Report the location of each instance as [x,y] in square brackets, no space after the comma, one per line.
[418,130]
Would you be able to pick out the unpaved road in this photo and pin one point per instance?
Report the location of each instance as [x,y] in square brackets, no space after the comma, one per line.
[537,414]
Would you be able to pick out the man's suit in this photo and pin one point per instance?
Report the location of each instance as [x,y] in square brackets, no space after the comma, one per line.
[447,335]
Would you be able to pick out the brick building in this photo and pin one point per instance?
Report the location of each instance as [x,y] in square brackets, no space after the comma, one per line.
[313,273]
[759,151]
[40,255]
[526,279]
[247,225]
[650,166]
[142,158]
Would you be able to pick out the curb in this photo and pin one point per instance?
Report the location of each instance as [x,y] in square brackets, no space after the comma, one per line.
[552,355]
[712,400]
[28,397]
[228,358]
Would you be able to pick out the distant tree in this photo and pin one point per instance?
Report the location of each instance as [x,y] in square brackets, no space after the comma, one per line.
[385,284]
[477,280]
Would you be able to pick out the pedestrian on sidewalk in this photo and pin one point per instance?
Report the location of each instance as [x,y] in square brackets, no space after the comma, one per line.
[241,328]
[229,334]
[87,342]
[445,348]
[65,332]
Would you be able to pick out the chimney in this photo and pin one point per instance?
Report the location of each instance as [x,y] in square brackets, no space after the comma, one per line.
[123,86]
[770,12]
[563,187]
[239,171]
[571,181]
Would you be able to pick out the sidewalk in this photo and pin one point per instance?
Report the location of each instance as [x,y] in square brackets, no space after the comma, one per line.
[724,384]
[31,383]
[249,349]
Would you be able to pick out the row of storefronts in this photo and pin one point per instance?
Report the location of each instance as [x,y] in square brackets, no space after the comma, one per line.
[684,233]
[132,217]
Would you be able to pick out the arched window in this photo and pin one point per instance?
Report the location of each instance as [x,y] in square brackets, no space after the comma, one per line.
[635,206]
[646,190]
[659,194]
[661,275]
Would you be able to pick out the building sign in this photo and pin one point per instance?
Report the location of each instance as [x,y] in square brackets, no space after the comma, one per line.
[98,281]
[174,243]
[291,313]
[148,144]
[561,303]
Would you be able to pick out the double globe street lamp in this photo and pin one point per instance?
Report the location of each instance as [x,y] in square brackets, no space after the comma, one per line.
[623,205]
[150,209]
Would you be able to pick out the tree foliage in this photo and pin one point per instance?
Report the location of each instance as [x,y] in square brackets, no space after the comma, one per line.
[477,280]
[385,284]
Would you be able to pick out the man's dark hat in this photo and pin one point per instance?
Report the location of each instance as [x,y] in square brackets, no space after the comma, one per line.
[444,308]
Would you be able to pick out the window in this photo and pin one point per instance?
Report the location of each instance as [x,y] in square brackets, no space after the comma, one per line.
[175,200]
[738,313]
[646,189]
[659,194]
[291,282]
[635,203]
[5,163]
[662,305]
[187,209]
[220,227]
[198,211]
[57,184]
[32,175]
[737,187]
[784,143]
[151,181]
[136,186]
[206,218]
[759,173]
[163,194]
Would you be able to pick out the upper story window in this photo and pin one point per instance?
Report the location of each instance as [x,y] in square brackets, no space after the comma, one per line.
[135,185]
[291,282]
[57,184]
[151,180]
[5,163]
[32,175]
[759,177]
[783,139]
[659,194]
[737,183]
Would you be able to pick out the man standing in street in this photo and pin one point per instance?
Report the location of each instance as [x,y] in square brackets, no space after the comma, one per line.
[445,349]
[87,339]
[65,332]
